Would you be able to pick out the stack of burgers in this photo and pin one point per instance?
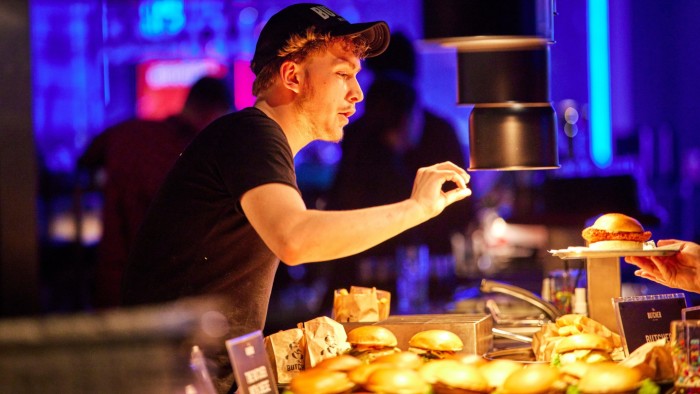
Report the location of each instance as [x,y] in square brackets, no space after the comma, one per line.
[434,364]
[577,337]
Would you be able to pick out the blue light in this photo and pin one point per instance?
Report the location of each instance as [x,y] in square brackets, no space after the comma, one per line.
[161,18]
[599,83]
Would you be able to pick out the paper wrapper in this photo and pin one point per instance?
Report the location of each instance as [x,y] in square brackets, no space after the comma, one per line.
[325,338]
[654,359]
[286,351]
[545,341]
[361,304]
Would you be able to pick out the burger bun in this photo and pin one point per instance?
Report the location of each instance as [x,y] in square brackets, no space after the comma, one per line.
[609,377]
[396,380]
[436,340]
[320,381]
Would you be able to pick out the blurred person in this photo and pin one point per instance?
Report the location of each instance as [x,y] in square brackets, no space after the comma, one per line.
[135,155]
[680,270]
[230,209]
[394,137]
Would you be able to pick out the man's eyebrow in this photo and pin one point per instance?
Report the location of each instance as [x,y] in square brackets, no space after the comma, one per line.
[343,61]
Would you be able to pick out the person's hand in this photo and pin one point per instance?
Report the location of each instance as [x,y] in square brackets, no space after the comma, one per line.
[678,271]
[427,187]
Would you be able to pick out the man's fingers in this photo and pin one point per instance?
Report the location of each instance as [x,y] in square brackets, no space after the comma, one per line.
[448,165]
[457,194]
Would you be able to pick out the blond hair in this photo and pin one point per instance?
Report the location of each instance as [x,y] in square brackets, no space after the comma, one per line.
[299,47]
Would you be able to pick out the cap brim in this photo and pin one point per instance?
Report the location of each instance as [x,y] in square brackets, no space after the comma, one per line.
[375,34]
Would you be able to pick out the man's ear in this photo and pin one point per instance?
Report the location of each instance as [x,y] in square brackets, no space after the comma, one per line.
[289,72]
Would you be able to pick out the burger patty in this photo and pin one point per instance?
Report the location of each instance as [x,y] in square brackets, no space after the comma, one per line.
[595,235]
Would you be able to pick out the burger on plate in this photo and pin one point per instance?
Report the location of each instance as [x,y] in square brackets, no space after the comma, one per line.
[615,231]
[370,342]
[435,344]
[589,348]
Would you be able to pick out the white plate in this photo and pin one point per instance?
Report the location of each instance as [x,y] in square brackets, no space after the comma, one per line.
[578,252]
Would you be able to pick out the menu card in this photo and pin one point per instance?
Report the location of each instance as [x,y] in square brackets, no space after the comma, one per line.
[251,365]
[643,319]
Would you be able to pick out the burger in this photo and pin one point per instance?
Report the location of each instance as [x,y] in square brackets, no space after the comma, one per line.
[468,358]
[612,378]
[534,379]
[428,371]
[456,378]
[589,348]
[615,231]
[360,374]
[396,381]
[370,342]
[573,372]
[497,371]
[321,381]
[408,360]
[342,363]
[435,344]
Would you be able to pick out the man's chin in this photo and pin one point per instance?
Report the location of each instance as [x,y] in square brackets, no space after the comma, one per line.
[334,136]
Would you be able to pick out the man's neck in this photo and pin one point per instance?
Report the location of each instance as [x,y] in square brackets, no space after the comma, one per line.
[288,119]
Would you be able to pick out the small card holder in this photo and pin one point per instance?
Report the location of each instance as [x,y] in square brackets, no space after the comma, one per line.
[643,319]
[251,365]
[691,313]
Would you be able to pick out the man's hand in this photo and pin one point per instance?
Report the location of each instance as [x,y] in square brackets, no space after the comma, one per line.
[427,187]
[678,271]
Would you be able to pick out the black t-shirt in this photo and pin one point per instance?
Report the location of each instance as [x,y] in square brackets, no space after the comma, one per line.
[196,240]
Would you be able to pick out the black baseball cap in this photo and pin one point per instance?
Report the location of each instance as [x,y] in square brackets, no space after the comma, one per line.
[297,18]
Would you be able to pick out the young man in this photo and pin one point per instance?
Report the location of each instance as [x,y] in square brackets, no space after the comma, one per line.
[230,209]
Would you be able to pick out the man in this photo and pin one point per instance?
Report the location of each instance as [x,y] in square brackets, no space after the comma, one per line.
[135,156]
[230,209]
[383,149]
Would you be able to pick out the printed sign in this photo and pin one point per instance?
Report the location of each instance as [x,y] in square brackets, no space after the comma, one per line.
[251,365]
[691,313]
[643,319]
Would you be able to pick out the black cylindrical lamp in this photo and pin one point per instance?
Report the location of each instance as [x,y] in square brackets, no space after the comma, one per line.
[503,65]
